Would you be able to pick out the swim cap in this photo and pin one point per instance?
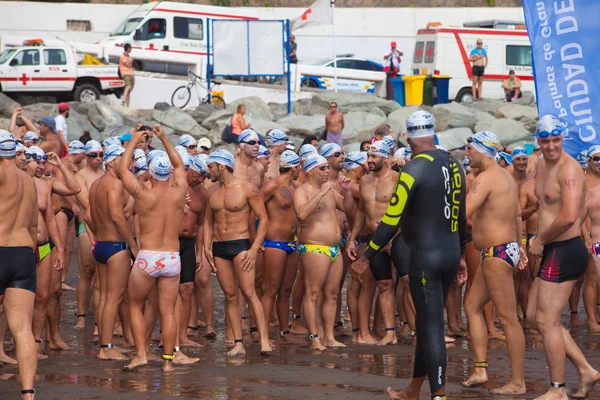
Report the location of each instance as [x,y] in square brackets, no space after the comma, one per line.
[593,150]
[137,153]
[203,157]
[246,136]
[582,158]
[154,153]
[420,124]
[328,149]
[402,153]
[466,163]
[92,146]
[111,152]
[549,125]
[521,152]
[222,157]
[486,143]
[290,146]
[76,147]
[8,144]
[536,145]
[185,156]
[20,147]
[263,152]
[186,140]
[313,160]
[199,164]
[307,149]
[111,140]
[140,166]
[390,141]
[276,137]
[37,153]
[29,135]
[289,159]
[355,159]
[160,167]
[507,157]
[379,148]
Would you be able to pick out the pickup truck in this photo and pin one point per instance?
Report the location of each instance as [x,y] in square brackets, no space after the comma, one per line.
[53,70]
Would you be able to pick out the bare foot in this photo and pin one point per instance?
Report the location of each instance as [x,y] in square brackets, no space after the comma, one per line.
[456,332]
[182,359]
[201,324]
[96,331]
[315,344]
[389,338]
[168,366]
[593,328]
[496,334]
[4,359]
[255,336]
[58,344]
[189,343]
[509,388]
[400,395]
[575,321]
[64,286]
[41,356]
[151,357]
[134,364]
[370,339]
[80,324]
[478,378]
[238,350]
[449,339]
[210,332]
[554,394]
[340,331]
[228,342]
[378,333]
[333,343]
[111,354]
[118,331]
[298,329]
[586,384]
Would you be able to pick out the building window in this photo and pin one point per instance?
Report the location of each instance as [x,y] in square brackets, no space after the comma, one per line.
[79,25]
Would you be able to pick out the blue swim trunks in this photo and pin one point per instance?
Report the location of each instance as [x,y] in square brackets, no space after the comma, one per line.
[288,247]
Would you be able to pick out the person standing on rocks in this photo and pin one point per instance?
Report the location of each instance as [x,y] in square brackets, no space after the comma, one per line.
[479,58]
[61,126]
[334,125]
[126,70]
[52,142]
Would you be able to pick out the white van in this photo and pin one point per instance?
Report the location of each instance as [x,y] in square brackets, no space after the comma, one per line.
[446,50]
[178,28]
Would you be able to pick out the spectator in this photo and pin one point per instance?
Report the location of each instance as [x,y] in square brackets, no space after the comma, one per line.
[125,139]
[293,50]
[512,87]
[61,126]
[204,146]
[364,146]
[479,58]
[312,140]
[392,68]
[334,125]
[85,137]
[126,71]
[238,123]
[380,132]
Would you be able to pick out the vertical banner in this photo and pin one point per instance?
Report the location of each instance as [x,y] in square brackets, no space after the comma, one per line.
[565,39]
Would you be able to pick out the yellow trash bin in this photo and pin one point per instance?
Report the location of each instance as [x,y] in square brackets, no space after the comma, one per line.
[413,85]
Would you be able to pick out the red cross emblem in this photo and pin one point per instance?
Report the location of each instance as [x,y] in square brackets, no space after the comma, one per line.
[24,79]
[429,52]
[305,15]
[151,47]
[419,52]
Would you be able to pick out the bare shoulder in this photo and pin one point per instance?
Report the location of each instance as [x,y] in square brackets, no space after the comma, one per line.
[300,192]
[250,189]
[213,189]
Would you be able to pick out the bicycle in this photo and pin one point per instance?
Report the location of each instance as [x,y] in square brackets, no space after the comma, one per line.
[183,94]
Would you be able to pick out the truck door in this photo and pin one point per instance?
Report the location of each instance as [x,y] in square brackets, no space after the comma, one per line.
[23,72]
[59,72]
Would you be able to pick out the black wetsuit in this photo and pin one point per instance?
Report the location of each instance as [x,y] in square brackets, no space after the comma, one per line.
[429,204]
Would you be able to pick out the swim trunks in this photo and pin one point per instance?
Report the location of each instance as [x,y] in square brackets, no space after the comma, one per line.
[333,252]
[187,253]
[80,228]
[43,250]
[563,261]
[69,213]
[17,268]
[335,137]
[229,249]
[288,247]
[159,263]
[508,252]
[103,251]
[343,240]
[478,70]
[596,249]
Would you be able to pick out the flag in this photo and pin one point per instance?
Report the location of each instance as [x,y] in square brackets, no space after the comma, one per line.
[566,66]
[320,13]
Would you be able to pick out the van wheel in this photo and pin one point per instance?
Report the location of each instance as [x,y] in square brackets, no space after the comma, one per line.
[86,93]
[465,95]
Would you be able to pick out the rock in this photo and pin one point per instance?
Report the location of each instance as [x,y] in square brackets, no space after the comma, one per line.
[350,101]
[377,111]
[221,115]
[102,115]
[317,110]
[304,125]
[181,122]
[36,112]
[360,125]
[77,123]
[484,121]
[202,112]
[7,105]
[526,99]
[128,111]
[454,138]
[278,110]
[4,123]
[442,118]
[114,130]
[525,114]
[146,116]
[460,116]
[487,105]
[351,147]
[509,131]
[389,106]
[397,119]
[162,106]
[262,126]
[255,107]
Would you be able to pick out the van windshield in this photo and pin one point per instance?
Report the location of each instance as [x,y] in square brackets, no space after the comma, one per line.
[6,54]
[126,27]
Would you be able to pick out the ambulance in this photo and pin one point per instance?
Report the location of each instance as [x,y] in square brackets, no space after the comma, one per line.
[446,50]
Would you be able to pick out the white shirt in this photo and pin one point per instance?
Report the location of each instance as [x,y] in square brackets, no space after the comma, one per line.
[61,125]
[395,59]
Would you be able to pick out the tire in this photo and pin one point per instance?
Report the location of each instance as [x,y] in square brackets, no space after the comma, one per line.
[181,97]
[310,83]
[218,102]
[465,95]
[86,93]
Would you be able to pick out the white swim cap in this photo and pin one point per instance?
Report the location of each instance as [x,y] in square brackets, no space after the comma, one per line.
[160,167]
[420,124]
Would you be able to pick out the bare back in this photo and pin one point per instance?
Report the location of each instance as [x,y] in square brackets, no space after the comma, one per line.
[376,193]
[18,206]
[100,206]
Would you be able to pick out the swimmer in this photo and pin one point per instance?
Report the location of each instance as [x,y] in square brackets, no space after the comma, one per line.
[263,157]
[276,142]
[245,166]
[189,143]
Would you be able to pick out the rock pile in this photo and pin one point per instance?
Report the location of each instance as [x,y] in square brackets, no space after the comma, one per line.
[512,122]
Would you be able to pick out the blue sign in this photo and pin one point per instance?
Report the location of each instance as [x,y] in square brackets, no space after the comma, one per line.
[565,40]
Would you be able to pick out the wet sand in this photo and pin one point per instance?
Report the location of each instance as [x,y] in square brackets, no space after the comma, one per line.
[294,372]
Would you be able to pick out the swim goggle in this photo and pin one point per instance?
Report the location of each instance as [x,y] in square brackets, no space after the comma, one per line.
[545,134]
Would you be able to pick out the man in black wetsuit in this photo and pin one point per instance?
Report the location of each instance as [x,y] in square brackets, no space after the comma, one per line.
[429,205]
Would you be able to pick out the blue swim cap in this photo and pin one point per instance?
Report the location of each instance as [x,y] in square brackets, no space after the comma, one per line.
[246,136]
[486,143]
[185,156]
[519,152]
[199,164]
[154,153]
[263,152]
[276,137]
[222,157]
[137,153]
[289,159]
[92,146]
[420,124]
[355,159]
[76,147]
[29,135]
[140,166]
[379,148]
[8,144]
[390,141]
[160,167]
[111,140]
[290,146]
[186,140]
[313,160]
[307,149]
[328,149]
[549,125]
[112,152]
[593,150]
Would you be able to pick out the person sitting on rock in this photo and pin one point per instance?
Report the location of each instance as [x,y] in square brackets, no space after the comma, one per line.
[512,87]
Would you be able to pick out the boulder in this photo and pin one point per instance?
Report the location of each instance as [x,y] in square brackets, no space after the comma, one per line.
[262,126]
[526,99]
[278,110]
[179,121]
[348,102]
[317,110]
[214,118]
[128,111]
[442,118]
[509,131]
[525,114]
[36,112]
[162,106]
[202,112]
[304,125]
[146,117]
[360,125]
[77,123]
[4,123]
[7,105]
[101,115]
[460,116]
[486,105]
[389,106]
[397,119]
[484,121]
[454,138]
[255,107]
